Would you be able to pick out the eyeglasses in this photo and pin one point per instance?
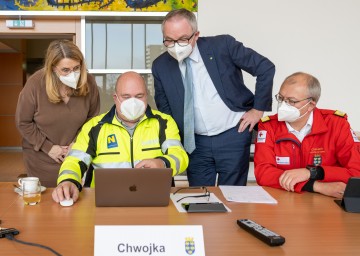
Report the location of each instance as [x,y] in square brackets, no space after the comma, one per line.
[290,102]
[206,193]
[181,42]
[66,71]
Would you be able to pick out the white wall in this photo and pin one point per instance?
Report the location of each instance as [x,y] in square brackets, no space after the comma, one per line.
[320,37]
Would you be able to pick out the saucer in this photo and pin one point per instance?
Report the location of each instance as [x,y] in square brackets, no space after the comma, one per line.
[19,191]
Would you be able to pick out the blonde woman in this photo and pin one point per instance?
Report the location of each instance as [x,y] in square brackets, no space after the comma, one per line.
[52,107]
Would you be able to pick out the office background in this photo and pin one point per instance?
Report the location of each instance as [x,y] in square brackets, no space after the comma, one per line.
[319,37]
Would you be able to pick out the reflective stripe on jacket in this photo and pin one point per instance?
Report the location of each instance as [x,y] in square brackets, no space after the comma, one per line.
[105,143]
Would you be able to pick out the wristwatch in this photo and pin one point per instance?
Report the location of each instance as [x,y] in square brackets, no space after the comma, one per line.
[316,172]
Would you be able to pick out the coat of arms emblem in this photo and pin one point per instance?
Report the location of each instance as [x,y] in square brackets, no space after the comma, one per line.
[317,160]
[189,245]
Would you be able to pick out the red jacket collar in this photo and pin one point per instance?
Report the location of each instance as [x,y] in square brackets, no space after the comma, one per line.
[318,126]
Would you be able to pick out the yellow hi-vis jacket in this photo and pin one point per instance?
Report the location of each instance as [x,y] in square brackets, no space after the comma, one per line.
[104,142]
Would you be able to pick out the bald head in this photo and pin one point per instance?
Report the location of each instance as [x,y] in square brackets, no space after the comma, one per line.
[130,83]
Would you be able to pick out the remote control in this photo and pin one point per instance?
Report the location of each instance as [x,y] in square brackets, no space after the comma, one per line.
[261,232]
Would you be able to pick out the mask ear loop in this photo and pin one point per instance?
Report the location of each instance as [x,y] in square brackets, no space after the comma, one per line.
[302,108]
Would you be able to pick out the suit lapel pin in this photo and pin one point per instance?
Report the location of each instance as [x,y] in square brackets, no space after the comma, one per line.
[211,58]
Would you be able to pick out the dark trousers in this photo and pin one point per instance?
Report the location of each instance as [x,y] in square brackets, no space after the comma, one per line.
[226,154]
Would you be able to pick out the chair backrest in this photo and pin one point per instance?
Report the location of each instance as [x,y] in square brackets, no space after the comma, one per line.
[253,139]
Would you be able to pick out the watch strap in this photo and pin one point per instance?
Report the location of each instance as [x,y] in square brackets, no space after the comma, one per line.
[309,186]
[316,172]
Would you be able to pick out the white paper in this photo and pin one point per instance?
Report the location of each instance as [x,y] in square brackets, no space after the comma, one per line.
[129,240]
[247,194]
[177,196]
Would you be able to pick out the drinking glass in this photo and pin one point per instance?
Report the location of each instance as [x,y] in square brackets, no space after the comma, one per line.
[31,190]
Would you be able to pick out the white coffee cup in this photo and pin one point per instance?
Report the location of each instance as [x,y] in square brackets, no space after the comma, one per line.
[31,183]
[31,190]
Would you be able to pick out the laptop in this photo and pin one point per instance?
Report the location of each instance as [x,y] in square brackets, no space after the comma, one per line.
[132,187]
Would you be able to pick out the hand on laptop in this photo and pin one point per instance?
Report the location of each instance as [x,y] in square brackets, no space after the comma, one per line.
[151,163]
[64,191]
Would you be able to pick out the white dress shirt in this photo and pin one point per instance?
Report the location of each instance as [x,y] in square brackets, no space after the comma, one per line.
[300,135]
[212,116]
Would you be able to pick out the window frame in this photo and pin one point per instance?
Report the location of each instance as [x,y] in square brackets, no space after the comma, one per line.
[148,18]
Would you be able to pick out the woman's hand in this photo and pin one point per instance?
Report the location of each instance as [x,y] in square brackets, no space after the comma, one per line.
[58,153]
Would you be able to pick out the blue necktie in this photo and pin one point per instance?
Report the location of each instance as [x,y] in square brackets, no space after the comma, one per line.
[189,135]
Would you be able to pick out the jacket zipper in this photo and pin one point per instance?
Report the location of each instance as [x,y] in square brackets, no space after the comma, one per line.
[132,150]
[294,155]
[132,143]
[294,144]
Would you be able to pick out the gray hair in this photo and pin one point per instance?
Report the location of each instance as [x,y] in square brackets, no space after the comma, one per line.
[312,83]
[181,13]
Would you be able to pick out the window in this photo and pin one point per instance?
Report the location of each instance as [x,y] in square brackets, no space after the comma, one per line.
[113,47]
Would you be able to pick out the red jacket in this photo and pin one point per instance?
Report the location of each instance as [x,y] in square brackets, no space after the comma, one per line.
[331,144]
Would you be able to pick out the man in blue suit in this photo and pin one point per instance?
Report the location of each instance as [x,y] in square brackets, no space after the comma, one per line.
[199,82]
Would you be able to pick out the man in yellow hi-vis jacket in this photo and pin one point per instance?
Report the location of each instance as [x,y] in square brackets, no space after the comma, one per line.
[130,135]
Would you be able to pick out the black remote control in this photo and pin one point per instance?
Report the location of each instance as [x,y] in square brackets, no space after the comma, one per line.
[260,232]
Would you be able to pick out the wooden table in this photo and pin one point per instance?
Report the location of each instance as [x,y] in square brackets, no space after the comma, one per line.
[312,224]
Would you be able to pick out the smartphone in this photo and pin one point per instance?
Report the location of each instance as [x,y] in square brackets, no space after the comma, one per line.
[204,207]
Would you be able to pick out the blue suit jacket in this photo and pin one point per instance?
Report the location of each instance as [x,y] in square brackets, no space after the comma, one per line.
[224,58]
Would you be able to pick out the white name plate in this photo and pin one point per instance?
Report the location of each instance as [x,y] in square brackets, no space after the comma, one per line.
[149,240]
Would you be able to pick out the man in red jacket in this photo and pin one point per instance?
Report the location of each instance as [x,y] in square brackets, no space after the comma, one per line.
[303,148]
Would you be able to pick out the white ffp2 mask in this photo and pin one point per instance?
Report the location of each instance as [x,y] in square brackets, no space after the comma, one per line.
[132,108]
[289,113]
[71,79]
[180,52]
